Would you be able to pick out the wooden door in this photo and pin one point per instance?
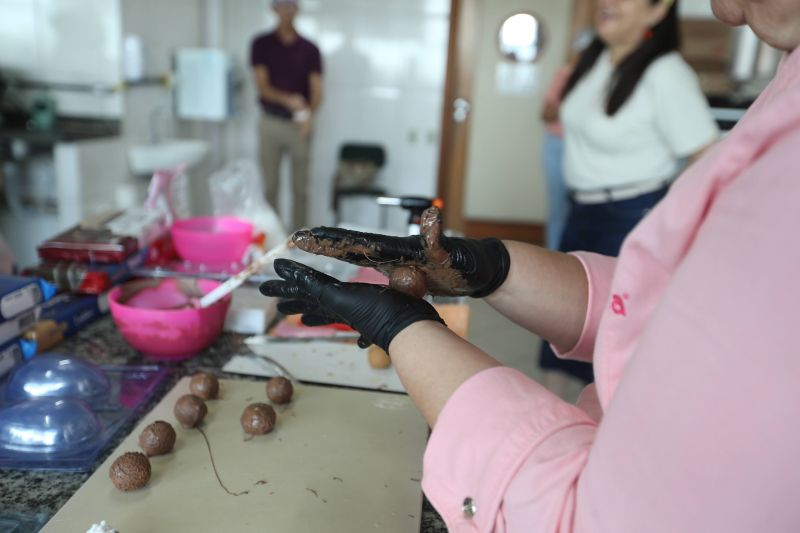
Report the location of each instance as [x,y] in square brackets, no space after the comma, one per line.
[477,110]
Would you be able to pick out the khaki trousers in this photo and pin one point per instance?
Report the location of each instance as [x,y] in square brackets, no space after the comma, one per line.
[279,137]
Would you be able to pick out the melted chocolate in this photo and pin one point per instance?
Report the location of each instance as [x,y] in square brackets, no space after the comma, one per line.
[214,466]
[439,276]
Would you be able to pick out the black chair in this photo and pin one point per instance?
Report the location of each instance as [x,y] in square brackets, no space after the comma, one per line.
[357,171]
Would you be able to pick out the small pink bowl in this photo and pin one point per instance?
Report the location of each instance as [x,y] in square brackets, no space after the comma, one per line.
[212,240]
[146,321]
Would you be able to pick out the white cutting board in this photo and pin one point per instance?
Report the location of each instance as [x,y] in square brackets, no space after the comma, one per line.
[338,460]
[330,362]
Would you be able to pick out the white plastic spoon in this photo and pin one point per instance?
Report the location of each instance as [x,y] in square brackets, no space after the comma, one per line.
[232,283]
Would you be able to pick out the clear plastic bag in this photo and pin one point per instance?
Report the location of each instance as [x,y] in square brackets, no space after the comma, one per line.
[236,191]
[169,193]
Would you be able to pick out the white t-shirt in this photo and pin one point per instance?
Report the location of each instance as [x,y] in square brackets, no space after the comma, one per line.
[665,119]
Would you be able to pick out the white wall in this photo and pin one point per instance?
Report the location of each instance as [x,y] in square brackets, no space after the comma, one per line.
[384,81]
[65,41]
[696,9]
[384,74]
[163,27]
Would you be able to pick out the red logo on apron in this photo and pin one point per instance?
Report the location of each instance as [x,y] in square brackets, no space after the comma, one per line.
[618,304]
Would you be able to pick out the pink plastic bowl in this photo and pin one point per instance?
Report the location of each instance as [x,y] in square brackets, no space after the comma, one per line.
[147,323]
[212,240]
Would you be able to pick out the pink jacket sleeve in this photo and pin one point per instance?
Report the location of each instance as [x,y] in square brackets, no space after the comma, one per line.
[499,431]
[599,273]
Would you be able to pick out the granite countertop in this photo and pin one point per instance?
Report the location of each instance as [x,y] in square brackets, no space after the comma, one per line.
[37,495]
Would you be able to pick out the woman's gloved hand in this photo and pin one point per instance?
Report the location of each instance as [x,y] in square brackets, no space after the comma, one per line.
[376,312]
[429,262]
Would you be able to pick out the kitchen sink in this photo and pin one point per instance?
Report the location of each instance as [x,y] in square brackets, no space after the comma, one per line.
[147,158]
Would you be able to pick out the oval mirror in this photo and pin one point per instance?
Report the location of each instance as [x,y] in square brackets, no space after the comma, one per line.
[521,38]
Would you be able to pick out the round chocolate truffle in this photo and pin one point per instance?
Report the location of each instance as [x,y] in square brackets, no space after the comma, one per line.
[130,471]
[258,418]
[204,385]
[157,439]
[409,280]
[280,390]
[190,410]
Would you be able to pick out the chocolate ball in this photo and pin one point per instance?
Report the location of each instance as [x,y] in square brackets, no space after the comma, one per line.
[157,439]
[204,385]
[280,390]
[130,471]
[190,410]
[258,418]
[409,280]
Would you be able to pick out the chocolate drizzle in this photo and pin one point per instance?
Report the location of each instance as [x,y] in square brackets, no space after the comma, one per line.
[214,466]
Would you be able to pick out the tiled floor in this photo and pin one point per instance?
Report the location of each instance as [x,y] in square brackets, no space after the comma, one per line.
[511,345]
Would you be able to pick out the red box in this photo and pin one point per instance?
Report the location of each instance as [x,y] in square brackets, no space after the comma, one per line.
[90,245]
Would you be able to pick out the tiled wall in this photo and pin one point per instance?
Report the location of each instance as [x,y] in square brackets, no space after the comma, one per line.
[384,81]
[65,41]
[384,74]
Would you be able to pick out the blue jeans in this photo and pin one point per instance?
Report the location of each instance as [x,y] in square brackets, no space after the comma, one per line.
[599,228]
[557,198]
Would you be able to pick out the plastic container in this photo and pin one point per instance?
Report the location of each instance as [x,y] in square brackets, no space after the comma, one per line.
[48,426]
[212,240]
[62,413]
[160,321]
[58,376]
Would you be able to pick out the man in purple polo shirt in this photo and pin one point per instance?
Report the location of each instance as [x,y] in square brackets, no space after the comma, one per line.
[288,73]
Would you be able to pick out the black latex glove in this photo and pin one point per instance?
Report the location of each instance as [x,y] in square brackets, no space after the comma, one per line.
[376,312]
[452,266]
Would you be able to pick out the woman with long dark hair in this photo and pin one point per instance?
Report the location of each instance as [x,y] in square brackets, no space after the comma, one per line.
[632,111]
